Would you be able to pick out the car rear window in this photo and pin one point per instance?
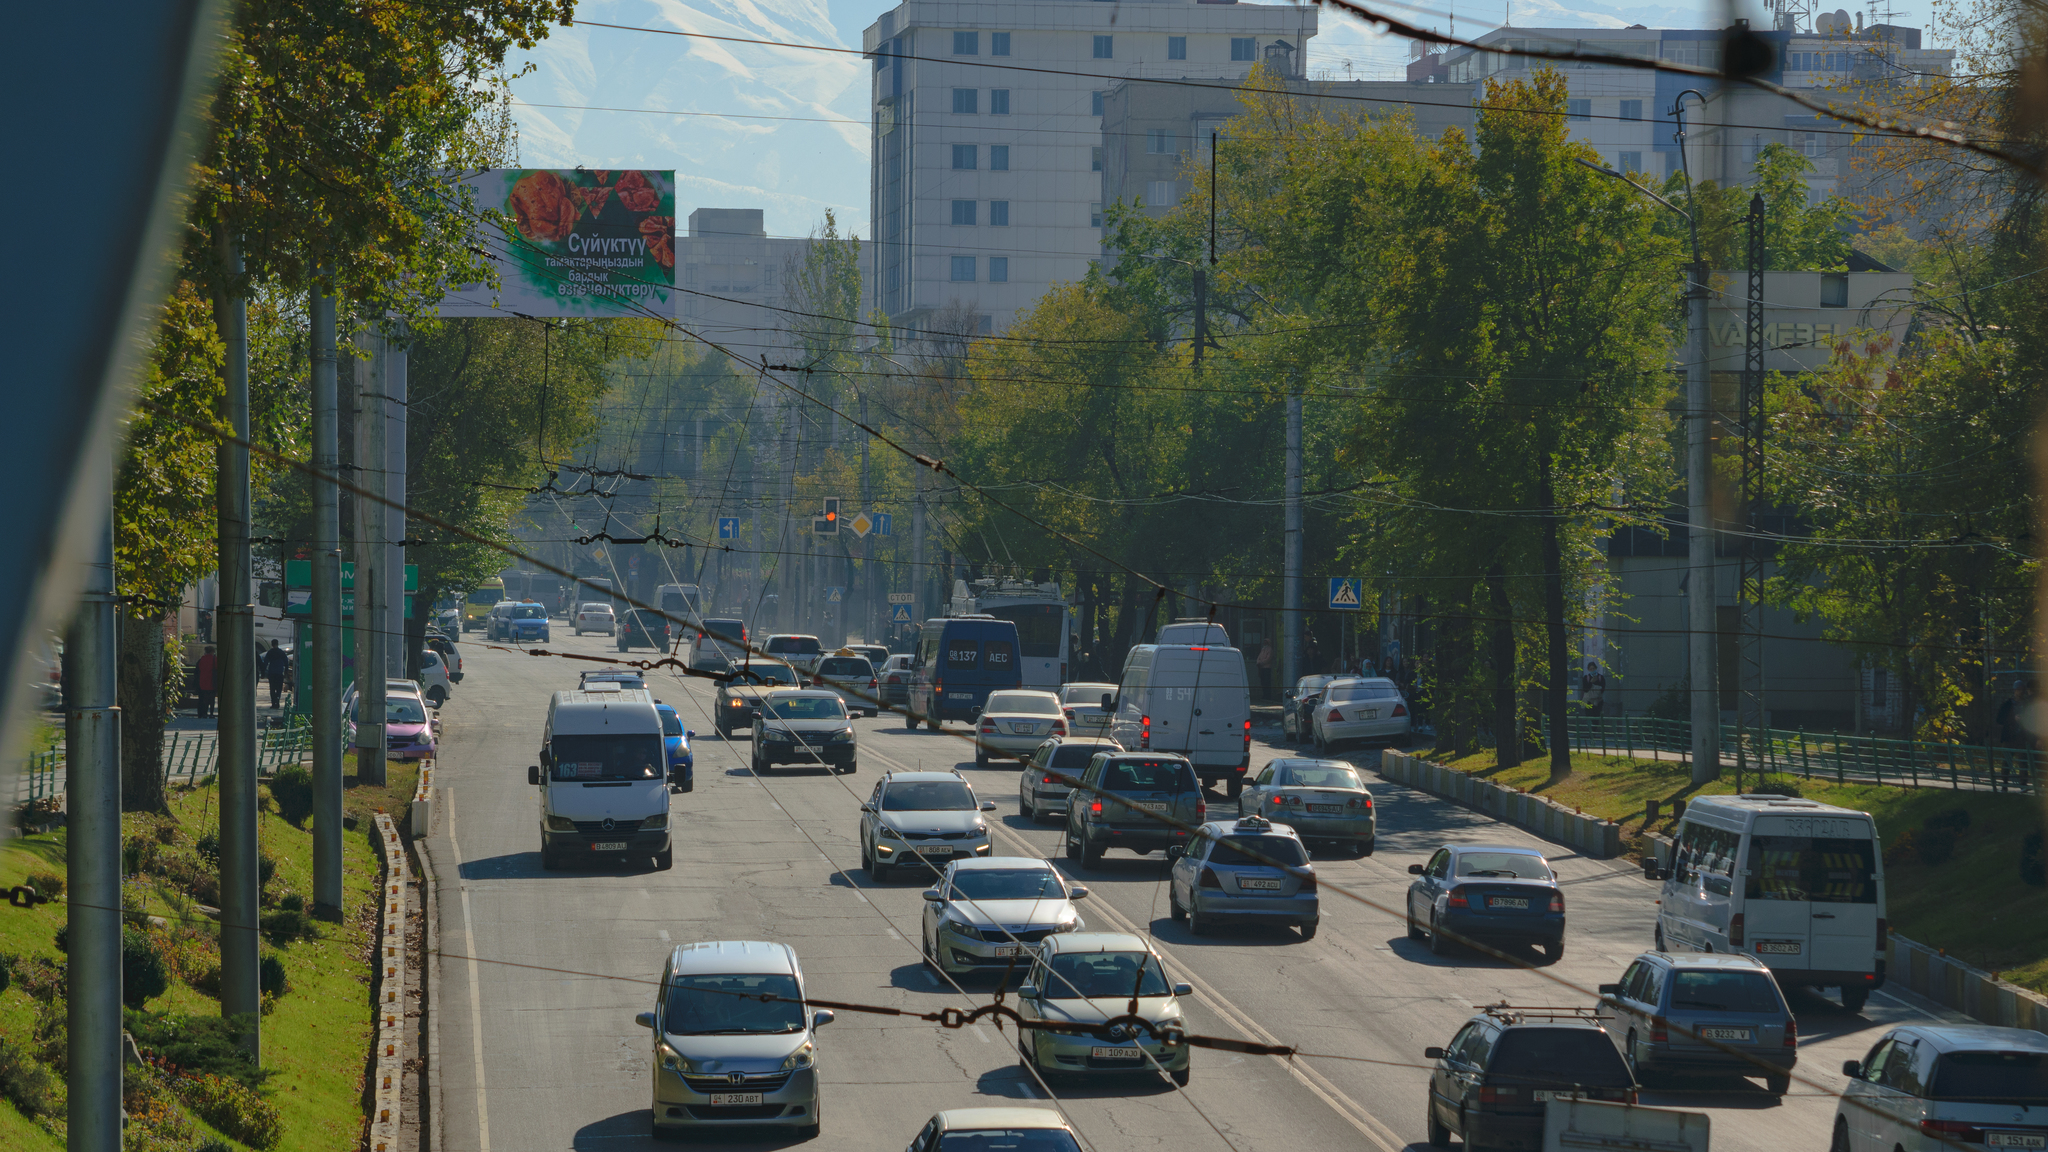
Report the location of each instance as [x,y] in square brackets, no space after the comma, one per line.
[1722,991]
[843,666]
[1089,696]
[1351,693]
[1147,776]
[729,631]
[1992,1078]
[1008,1140]
[1819,869]
[1074,755]
[1023,702]
[1269,850]
[1320,776]
[802,645]
[1557,1055]
[765,674]
[1522,866]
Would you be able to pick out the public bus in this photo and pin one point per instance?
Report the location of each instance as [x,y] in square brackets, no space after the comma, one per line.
[1040,614]
[479,602]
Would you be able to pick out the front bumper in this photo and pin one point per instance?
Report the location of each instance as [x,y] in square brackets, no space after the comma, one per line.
[1287,909]
[525,635]
[1058,1052]
[959,954]
[1545,928]
[637,843]
[906,851]
[793,752]
[685,1101]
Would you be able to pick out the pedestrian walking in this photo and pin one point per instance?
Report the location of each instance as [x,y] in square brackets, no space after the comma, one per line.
[2012,734]
[1593,688]
[277,663]
[1265,663]
[209,669]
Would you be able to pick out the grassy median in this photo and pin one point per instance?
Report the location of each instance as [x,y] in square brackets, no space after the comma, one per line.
[1951,857]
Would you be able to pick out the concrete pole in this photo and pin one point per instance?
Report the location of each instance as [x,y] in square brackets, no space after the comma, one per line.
[870,626]
[371,532]
[920,581]
[396,363]
[326,611]
[235,627]
[92,852]
[1703,649]
[1290,581]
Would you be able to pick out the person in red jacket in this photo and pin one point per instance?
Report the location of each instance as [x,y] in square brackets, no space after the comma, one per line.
[209,670]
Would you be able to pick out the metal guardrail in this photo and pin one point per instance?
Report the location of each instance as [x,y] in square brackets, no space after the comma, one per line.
[1842,757]
[190,756]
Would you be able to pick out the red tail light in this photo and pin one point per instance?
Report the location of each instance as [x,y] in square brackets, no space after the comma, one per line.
[1209,880]
[1496,1095]
[1095,806]
[1557,902]
[871,682]
[1308,883]
[988,727]
[1791,1032]
[1059,728]
[1047,780]
[1735,930]
[1960,1131]
[1335,717]
[1067,712]
[1144,733]
[1400,709]
[1201,811]
[1247,742]
[1279,799]
[1660,1030]
[1457,899]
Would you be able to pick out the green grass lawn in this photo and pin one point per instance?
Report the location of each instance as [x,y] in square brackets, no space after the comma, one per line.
[1972,905]
[316,1038]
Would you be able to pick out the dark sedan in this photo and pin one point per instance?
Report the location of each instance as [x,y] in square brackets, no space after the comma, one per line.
[1486,893]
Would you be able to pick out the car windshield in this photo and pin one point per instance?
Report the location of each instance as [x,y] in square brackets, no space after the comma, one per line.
[529,612]
[1355,692]
[1722,991]
[1319,776]
[843,666]
[1024,703]
[1992,1078]
[1503,865]
[1819,869]
[622,679]
[635,757]
[807,708]
[1008,884]
[397,710]
[765,674]
[1270,849]
[1008,1140]
[707,1005]
[1147,776]
[671,724]
[928,796]
[1089,975]
[484,596]
[1558,1055]
[1308,684]
[806,645]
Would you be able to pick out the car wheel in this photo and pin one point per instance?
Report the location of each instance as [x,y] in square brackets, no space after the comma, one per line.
[1174,911]
[1553,951]
[1853,999]
[930,961]
[1439,1136]
[1414,933]
[1308,930]
[1363,847]
[664,859]
[664,1134]
[1628,1057]
[436,697]
[1198,924]
[1236,786]
[1091,852]
[1438,946]
[1024,807]
[980,758]
[1073,844]
[1778,1085]
[1840,1142]
[1658,936]
[550,860]
[1180,1076]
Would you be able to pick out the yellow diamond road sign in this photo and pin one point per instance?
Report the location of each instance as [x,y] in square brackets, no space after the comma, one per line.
[860,524]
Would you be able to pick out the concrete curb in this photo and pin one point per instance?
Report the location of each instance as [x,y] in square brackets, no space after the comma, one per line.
[394,899]
[430,973]
[1589,835]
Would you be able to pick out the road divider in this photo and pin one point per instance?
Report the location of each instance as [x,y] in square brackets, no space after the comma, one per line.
[1589,835]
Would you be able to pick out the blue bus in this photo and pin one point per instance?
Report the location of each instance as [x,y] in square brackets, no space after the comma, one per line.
[959,661]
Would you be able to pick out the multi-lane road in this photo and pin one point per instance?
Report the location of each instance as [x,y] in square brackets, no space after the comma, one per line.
[542,972]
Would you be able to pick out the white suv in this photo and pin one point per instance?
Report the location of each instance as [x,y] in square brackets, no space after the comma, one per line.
[1939,1086]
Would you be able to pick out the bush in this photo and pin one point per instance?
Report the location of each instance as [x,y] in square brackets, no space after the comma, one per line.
[209,845]
[213,1144]
[266,868]
[270,975]
[292,788]
[47,884]
[2033,861]
[25,1082]
[292,902]
[232,1107]
[1953,820]
[144,974]
[1904,850]
[284,925]
[202,1045]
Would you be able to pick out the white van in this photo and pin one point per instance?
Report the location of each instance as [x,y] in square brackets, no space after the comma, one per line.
[603,779]
[1189,699]
[1797,884]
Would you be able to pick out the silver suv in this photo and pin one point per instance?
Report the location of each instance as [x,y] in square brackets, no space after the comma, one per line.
[921,818]
[735,1045]
[1135,800]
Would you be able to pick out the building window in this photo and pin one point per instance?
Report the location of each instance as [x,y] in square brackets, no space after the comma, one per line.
[999,269]
[999,101]
[1095,103]
[966,43]
[1176,47]
[1095,158]
[1105,47]
[966,100]
[1578,109]
[999,157]
[1095,214]
[963,157]
[963,269]
[1160,193]
[1631,162]
[1244,48]
[986,325]
[963,211]
[1159,141]
[1834,292]
[999,213]
[999,43]
[1807,144]
[1631,109]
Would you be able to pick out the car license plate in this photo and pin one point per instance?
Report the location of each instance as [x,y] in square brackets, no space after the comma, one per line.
[1258,885]
[959,695]
[1115,1053]
[2016,1139]
[1023,729]
[1154,806]
[1327,809]
[1778,947]
[609,846]
[1368,713]
[1515,902]
[932,849]
[1013,950]
[1726,1034]
[718,1098]
[1547,1094]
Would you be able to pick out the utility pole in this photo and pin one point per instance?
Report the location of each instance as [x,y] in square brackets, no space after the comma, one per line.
[326,634]
[1290,580]
[398,636]
[1750,716]
[371,533]
[919,582]
[92,853]
[1702,663]
[869,629]
[235,630]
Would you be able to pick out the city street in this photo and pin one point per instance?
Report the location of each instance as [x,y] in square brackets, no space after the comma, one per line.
[544,971]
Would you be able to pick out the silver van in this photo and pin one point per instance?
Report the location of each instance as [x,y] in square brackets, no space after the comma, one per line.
[603,779]
[1796,884]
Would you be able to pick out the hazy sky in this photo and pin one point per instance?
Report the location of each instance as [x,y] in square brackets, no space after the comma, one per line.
[787,128]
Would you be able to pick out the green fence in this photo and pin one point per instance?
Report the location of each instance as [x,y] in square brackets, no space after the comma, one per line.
[190,756]
[1838,756]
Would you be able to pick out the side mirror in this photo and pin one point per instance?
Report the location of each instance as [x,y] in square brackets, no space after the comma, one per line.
[1853,1069]
[867,807]
[645,1020]
[1610,989]
[1183,989]
[1432,1053]
[822,1017]
[689,735]
[1415,869]
[1077,893]
[1108,702]
[988,805]
[1652,872]
[1027,992]
[533,773]
[932,894]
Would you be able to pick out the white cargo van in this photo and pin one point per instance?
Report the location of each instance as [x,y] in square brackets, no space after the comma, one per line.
[1797,884]
[603,780]
[1191,699]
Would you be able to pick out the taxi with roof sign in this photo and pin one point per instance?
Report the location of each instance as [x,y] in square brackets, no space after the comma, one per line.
[1244,869]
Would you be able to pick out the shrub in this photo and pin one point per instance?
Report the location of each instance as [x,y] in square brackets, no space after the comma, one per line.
[292,902]
[144,974]
[2033,861]
[63,938]
[26,1082]
[266,868]
[47,884]
[232,1107]
[202,1045]
[284,925]
[292,788]
[52,1034]
[155,1122]
[270,975]
[209,845]
[1954,820]
[213,1144]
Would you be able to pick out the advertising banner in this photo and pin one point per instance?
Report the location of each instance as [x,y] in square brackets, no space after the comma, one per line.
[574,242]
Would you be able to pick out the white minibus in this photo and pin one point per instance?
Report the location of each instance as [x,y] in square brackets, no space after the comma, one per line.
[603,779]
[1191,699]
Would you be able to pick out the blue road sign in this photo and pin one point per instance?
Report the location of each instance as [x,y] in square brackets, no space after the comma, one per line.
[881,523]
[834,594]
[728,527]
[1345,593]
[899,614]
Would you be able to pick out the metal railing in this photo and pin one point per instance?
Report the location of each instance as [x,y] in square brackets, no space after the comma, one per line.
[190,756]
[1842,757]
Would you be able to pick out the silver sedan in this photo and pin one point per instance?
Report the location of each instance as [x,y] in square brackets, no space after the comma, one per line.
[991,914]
[1319,799]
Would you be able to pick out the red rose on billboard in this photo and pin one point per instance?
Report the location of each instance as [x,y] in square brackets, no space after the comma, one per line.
[636,194]
[544,207]
[659,232]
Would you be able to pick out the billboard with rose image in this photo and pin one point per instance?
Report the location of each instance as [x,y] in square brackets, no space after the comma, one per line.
[574,242]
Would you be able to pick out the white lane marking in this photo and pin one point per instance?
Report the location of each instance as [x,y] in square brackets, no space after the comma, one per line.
[664,935]
[895,933]
[934,980]
[979,1034]
[476,996]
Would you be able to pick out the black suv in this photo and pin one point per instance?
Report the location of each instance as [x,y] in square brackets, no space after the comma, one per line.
[1118,798]
[639,628]
[1492,1080]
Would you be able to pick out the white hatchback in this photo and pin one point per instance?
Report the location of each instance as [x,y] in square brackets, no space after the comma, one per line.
[1013,724]
[1940,1086]
[595,618]
[1360,709]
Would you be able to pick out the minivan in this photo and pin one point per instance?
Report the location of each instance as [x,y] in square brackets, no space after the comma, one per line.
[1189,699]
[960,660]
[1797,884]
[603,779]
[718,645]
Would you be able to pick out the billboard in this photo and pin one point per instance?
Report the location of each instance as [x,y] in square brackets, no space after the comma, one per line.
[574,242]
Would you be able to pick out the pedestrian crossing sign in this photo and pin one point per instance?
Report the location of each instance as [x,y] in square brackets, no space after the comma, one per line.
[835,594]
[899,614]
[1345,593]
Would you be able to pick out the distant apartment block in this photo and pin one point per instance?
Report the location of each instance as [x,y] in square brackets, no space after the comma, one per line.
[729,272]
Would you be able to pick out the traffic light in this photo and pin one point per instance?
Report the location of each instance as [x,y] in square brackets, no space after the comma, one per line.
[827,522]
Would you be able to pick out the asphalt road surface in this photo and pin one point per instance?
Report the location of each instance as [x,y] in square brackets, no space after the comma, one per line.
[539,1051]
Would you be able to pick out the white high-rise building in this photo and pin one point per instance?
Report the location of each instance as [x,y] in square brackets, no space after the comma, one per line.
[987,135]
